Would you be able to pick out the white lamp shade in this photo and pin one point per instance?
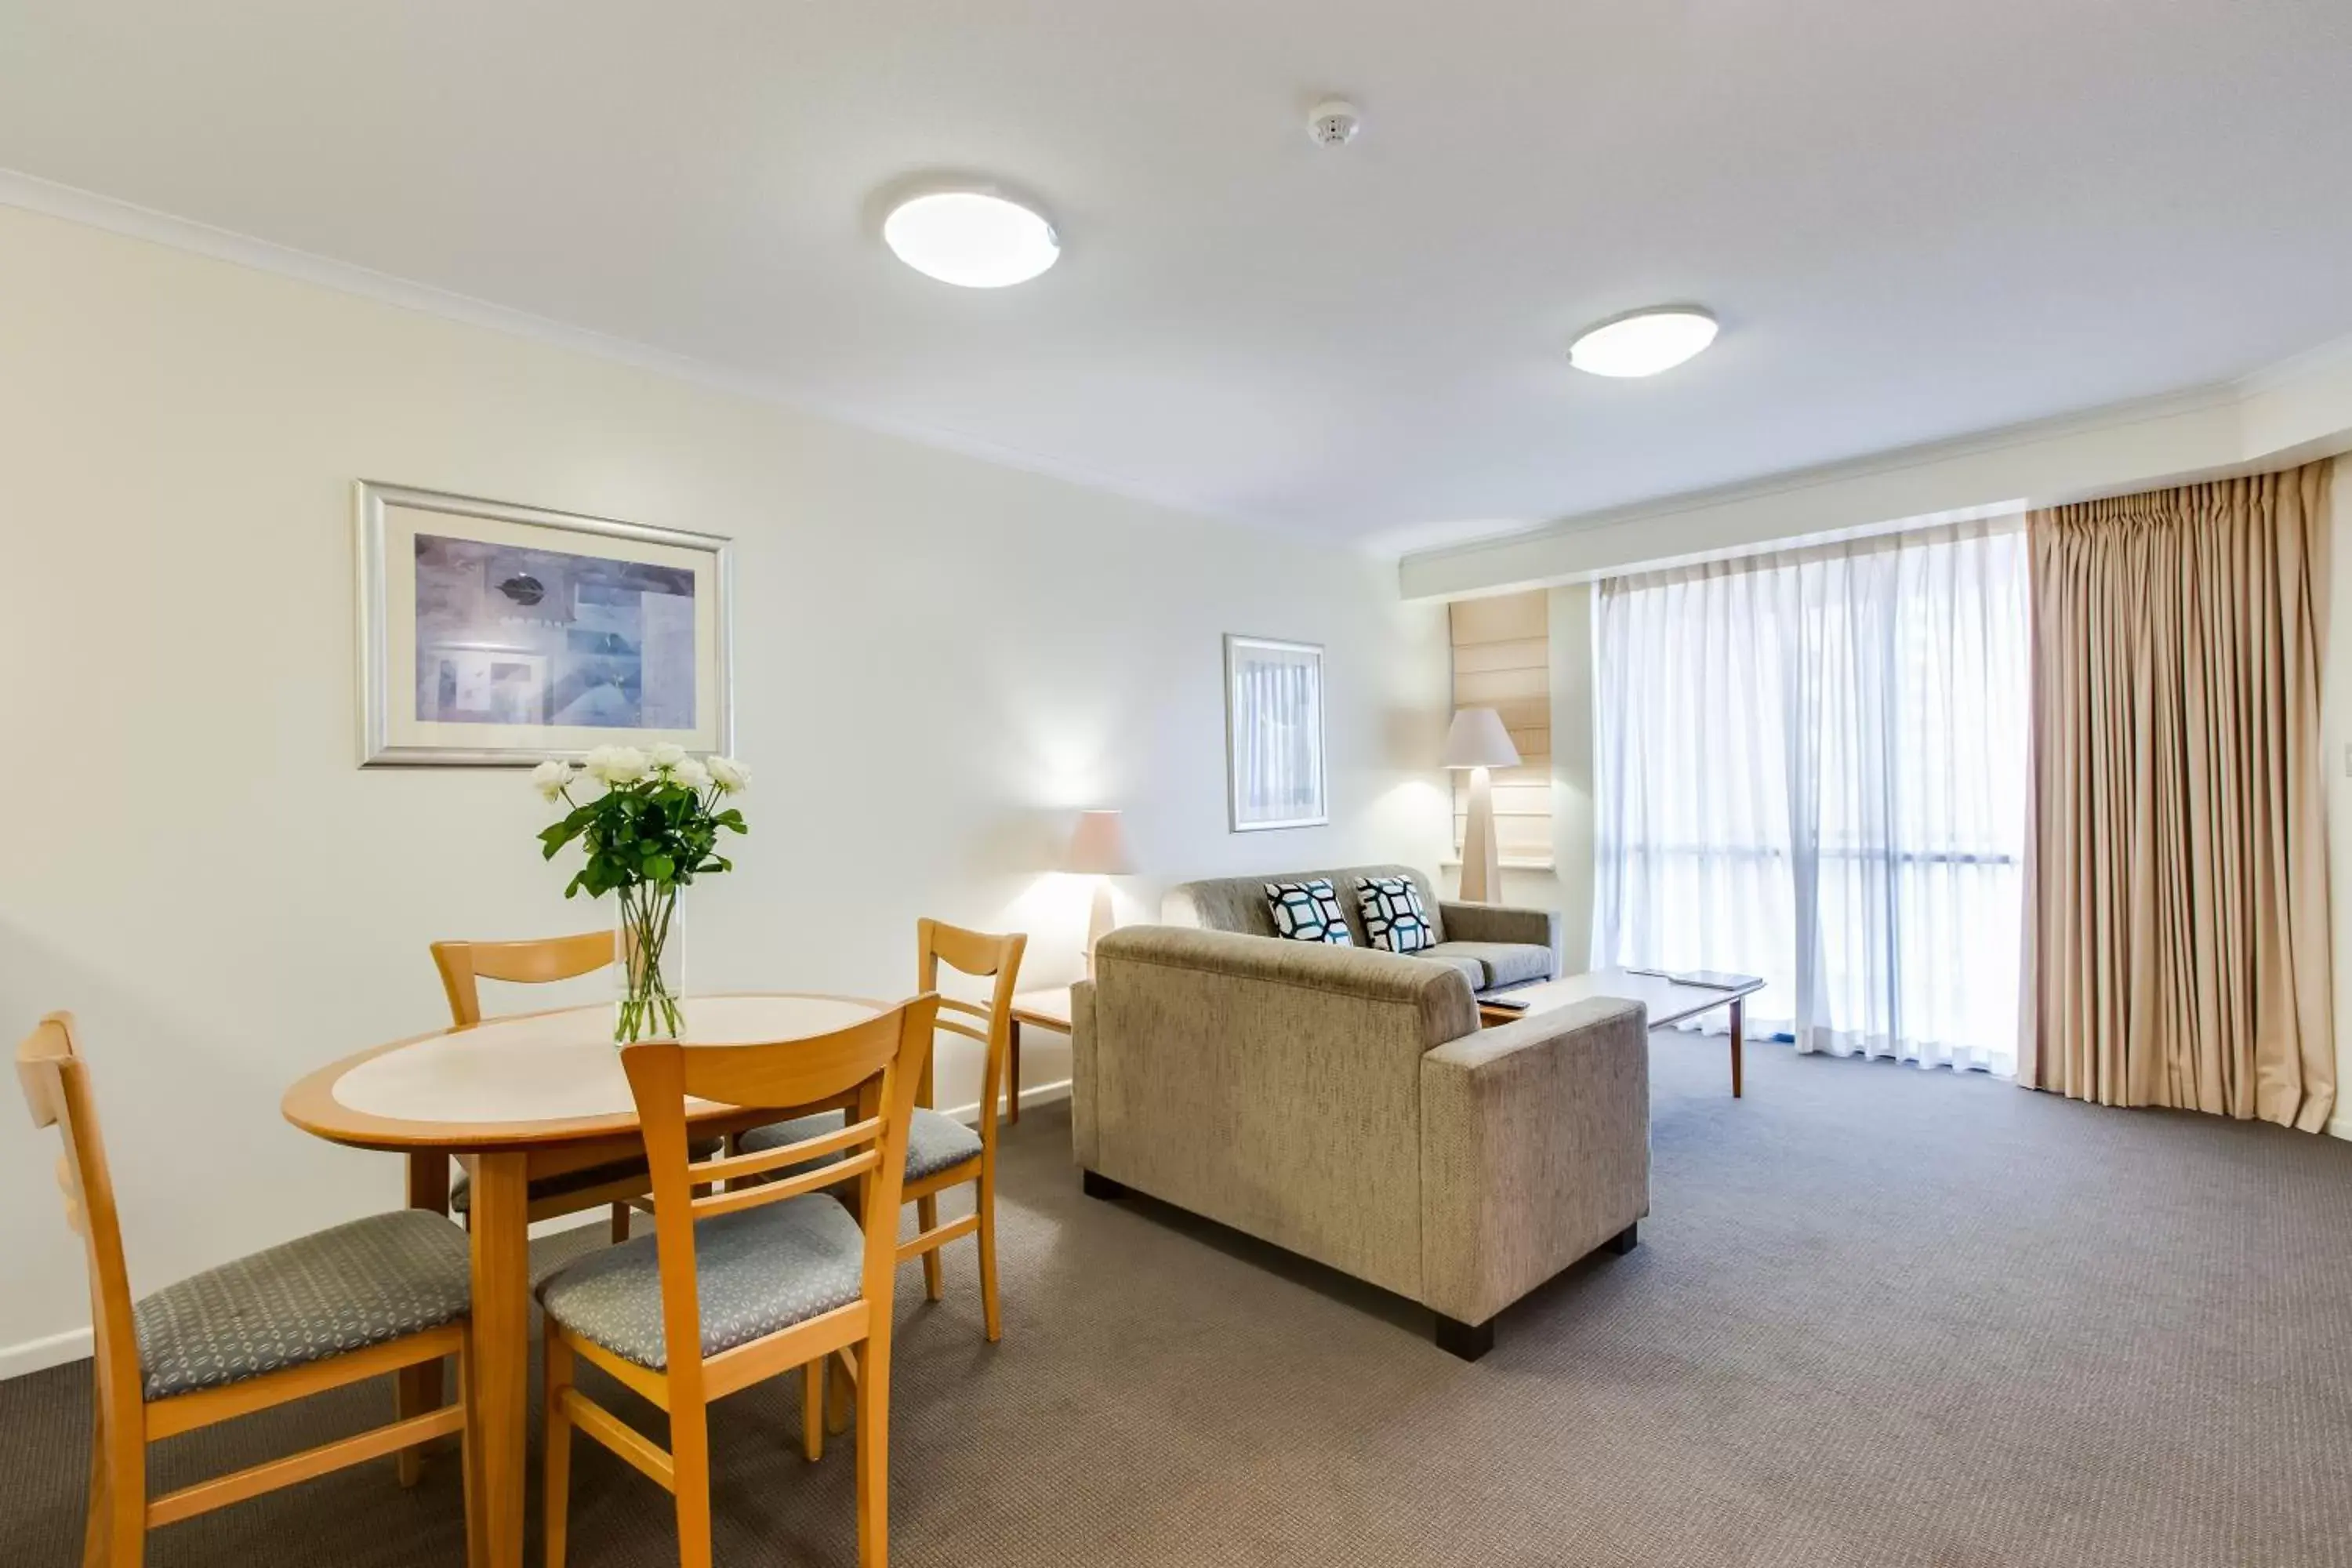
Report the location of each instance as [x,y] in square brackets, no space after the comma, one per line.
[1098,847]
[1478,739]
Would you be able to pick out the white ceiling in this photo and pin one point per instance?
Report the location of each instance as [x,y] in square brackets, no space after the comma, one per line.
[1916,218]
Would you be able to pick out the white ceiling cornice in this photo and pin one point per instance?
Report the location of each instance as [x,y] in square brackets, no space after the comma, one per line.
[2287,413]
[51,199]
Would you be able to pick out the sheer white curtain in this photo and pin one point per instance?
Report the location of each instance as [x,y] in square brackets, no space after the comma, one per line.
[1812,766]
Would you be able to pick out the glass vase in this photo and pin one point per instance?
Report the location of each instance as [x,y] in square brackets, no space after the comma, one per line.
[653,947]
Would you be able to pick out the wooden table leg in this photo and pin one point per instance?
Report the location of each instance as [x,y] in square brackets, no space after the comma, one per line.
[501,1360]
[1013,1077]
[1737,1010]
[418,1389]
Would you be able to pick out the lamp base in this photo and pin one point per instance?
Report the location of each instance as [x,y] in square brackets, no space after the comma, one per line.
[1481,861]
[1100,923]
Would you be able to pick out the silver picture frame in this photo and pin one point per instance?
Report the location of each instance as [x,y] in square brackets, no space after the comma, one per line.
[382,740]
[1242,729]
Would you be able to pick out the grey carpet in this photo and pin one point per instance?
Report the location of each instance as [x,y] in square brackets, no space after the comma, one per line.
[1880,1317]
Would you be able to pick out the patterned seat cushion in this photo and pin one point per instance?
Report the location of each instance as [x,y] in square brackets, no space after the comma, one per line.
[343,1289]
[461,1193]
[934,1143]
[756,1272]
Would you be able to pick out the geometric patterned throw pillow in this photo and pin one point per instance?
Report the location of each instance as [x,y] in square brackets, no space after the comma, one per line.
[1309,911]
[1393,916]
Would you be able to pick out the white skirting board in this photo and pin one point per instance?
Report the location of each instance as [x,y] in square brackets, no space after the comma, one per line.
[2339,1127]
[39,1355]
[56,1349]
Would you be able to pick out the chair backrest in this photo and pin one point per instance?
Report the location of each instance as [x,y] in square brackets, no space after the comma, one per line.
[871,1069]
[525,962]
[981,955]
[56,1090]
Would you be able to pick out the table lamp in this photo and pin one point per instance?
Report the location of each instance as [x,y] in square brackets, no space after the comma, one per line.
[1478,742]
[1099,849]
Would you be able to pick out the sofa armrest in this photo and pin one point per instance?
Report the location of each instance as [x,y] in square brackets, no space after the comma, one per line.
[1496,923]
[1535,1150]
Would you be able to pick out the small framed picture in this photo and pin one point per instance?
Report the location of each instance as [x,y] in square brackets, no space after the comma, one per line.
[1274,733]
[501,635]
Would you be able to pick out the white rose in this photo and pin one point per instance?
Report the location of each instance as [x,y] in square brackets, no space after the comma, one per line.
[593,762]
[666,757]
[623,766]
[731,776]
[692,774]
[551,778]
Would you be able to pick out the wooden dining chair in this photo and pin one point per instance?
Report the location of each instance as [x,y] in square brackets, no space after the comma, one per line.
[538,962]
[375,1295]
[942,1152]
[738,1285]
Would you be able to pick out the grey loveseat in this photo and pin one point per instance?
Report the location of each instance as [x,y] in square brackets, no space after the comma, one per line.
[1343,1103]
[1495,948]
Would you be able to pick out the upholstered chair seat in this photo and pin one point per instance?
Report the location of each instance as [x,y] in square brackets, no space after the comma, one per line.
[935,1142]
[755,1272]
[361,1284]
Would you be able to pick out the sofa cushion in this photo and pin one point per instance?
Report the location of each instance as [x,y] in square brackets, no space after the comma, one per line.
[1395,918]
[1473,967]
[1499,963]
[1309,911]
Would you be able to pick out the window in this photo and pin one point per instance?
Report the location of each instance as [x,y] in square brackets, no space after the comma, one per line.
[1502,659]
[1812,766]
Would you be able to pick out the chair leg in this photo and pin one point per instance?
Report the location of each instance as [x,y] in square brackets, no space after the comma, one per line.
[838,1389]
[874,1451]
[476,1549]
[985,1196]
[620,1223]
[557,1436]
[416,1390]
[812,1395]
[117,1534]
[689,1452]
[927,1218]
[93,1534]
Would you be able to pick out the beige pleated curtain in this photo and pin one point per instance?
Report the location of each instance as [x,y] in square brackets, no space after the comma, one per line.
[2177,895]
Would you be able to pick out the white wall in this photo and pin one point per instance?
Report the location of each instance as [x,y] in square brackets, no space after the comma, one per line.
[937,661]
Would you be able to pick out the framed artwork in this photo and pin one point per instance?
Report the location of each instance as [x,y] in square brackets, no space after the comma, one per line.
[501,635]
[1274,733]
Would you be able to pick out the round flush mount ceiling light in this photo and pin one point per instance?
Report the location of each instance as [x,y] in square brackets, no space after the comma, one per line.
[971,238]
[1643,342]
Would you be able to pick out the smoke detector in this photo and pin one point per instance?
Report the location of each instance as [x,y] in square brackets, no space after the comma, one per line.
[1333,122]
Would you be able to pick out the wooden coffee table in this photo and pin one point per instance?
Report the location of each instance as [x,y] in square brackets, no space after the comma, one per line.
[1668,1001]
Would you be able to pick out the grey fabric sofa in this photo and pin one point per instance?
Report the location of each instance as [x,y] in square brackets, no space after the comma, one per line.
[1343,1103]
[1495,948]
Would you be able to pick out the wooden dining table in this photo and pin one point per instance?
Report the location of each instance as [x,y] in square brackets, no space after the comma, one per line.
[518,1100]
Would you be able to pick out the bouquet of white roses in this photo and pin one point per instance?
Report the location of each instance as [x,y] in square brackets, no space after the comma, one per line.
[653,830]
